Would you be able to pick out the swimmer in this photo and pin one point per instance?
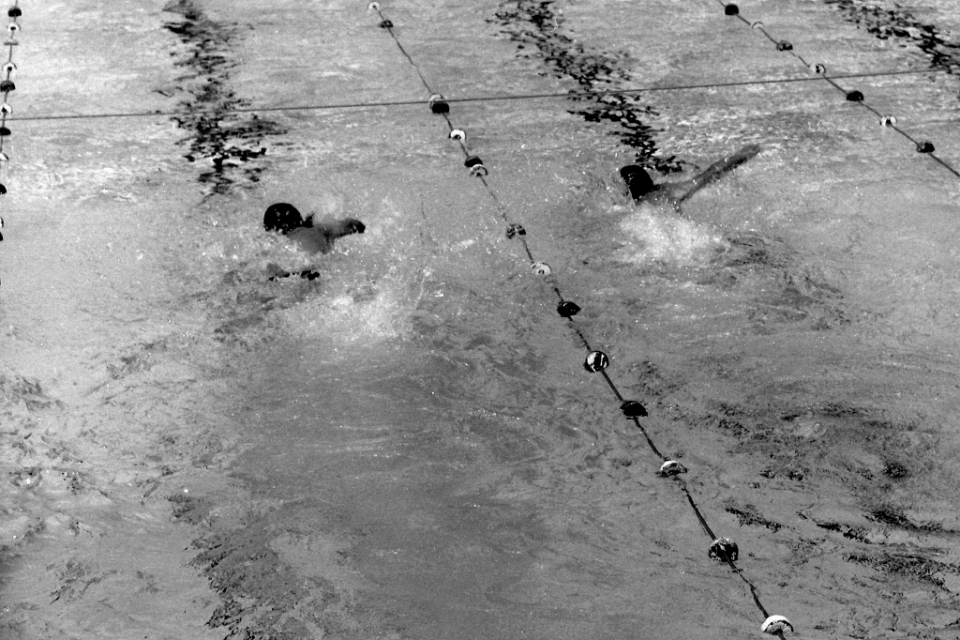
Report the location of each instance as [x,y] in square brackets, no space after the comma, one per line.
[643,189]
[310,236]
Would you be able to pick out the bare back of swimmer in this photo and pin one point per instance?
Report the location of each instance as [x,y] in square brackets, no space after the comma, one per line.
[643,189]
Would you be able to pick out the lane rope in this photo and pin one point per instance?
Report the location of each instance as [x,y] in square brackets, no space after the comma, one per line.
[922,146]
[7,87]
[489,98]
[721,549]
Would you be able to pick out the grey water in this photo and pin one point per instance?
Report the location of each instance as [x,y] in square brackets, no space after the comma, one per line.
[415,449]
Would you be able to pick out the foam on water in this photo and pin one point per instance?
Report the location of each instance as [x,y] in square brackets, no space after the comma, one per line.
[368,286]
[656,234]
[373,289]
[357,312]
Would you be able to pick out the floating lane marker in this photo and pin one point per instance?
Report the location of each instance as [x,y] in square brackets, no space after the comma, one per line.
[775,625]
[566,95]
[7,87]
[720,549]
[922,146]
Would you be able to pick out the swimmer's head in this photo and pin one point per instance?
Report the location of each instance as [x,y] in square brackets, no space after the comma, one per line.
[637,180]
[282,217]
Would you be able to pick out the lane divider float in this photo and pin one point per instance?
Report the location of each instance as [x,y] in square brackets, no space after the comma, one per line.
[7,86]
[922,146]
[566,95]
[721,549]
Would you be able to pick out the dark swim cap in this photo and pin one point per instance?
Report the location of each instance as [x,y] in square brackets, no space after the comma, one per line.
[638,181]
[282,217]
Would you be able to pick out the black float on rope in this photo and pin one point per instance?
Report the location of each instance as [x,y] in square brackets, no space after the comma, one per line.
[633,409]
[437,104]
[475,164]
[724,550]
[568,309]
[515,230]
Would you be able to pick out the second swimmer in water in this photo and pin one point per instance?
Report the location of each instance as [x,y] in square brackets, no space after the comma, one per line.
[643,189]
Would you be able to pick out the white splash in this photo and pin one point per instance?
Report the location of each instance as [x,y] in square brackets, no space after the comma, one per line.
[654,234]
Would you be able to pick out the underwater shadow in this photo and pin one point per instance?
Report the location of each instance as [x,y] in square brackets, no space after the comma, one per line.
[900,26]
[230,141]
[538,31]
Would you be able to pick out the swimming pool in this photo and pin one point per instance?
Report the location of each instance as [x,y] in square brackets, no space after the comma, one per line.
[411,447]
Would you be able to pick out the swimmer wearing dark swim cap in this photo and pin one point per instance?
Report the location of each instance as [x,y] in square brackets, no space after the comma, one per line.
[643,189]
[309,235]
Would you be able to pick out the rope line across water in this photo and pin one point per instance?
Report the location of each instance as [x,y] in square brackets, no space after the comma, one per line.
[922,146]
[492,98]
[7,86]
[721,549]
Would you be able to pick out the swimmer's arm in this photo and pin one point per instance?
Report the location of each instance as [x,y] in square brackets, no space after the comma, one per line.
[715,171]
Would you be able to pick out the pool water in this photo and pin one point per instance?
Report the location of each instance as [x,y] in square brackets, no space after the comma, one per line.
[409,446]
